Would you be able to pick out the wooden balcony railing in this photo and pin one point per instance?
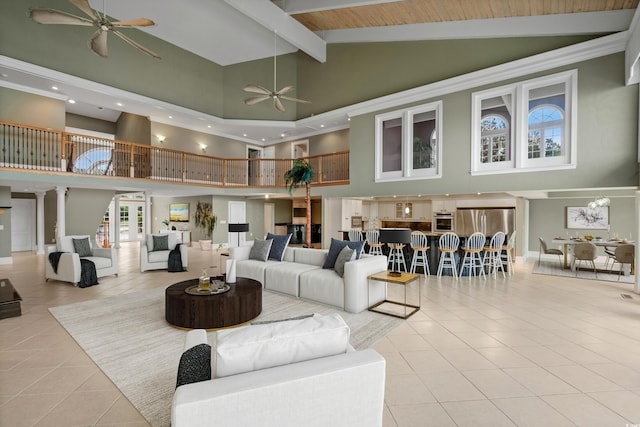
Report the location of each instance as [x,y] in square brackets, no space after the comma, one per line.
[31,148]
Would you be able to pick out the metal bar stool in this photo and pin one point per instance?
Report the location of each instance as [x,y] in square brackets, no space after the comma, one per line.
[420,248]
[448,245]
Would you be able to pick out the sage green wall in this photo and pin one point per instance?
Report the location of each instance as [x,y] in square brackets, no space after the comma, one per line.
[329,142]
[5,221]
[84,209]
[133,128]
[189,140]
[180,77]
[283,208]
[89,123]
[547,219]
[30,109]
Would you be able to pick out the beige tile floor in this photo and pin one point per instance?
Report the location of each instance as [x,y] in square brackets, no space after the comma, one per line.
[527,350]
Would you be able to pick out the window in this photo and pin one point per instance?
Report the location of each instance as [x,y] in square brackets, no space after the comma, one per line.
[408,143]
[525,126]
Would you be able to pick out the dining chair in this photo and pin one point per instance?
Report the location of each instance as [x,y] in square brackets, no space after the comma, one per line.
[492,253]
[610,251]
[448,246]
[624,254]
[355,235]
[507,250]
[472,258]
[549,251]
[420,247]
[585,251]
[375,247]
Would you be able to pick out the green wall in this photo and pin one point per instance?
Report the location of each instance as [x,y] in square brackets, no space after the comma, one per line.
[189,141]
[90,123]
[34,110]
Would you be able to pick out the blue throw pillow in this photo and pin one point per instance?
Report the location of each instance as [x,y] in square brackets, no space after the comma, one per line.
[336,247]
[278,246]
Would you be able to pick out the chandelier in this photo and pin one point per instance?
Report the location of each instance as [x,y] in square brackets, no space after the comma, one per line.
[599,202]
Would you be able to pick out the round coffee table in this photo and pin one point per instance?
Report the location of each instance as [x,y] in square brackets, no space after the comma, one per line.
[241,303]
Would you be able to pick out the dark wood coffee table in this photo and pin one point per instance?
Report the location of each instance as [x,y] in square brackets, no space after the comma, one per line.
[240,304]
[9,300]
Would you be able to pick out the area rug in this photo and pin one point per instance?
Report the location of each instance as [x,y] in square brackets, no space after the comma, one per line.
[129,339]
[584,273]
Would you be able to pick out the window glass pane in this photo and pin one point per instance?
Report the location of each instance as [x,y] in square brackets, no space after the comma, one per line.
[546,121]
[495,129]
[392,145]
[424,144]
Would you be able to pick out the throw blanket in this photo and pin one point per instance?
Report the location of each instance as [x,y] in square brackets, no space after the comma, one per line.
[175,260]
[88,275]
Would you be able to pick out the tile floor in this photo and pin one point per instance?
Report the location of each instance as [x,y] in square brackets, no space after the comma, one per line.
[527,350]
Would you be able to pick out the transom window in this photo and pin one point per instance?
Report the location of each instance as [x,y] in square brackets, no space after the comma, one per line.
[525,126]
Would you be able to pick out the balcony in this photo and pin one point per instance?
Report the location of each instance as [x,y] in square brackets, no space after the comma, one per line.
[28,148]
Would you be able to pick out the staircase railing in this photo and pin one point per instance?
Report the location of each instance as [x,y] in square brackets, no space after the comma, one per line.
[31,148]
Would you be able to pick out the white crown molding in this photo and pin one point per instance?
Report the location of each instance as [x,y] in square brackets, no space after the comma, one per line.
[32,90]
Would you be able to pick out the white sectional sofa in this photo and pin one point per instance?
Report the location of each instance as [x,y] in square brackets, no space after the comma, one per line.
[307,375]
[300,274]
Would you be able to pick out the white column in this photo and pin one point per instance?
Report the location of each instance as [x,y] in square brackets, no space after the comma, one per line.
[116,222]
[637,252]
[60,192]
[147,212]
[40,222]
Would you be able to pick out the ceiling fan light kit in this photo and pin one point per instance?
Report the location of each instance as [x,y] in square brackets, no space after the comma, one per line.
[98,42]
[276,95]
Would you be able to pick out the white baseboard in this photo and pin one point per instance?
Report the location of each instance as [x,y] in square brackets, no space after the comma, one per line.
[6,260]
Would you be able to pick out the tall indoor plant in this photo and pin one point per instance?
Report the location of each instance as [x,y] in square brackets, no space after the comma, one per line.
[205,219]
[300,174]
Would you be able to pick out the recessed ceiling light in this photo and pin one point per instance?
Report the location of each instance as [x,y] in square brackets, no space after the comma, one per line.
[119,104]
[263,139]
[348,119]
[72,101]
[171,117]
[4,75]
[209,126]
[321,126]
[244,134]
[283,135]
[52,87]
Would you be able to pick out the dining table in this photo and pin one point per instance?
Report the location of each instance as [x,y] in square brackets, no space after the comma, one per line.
[572,241]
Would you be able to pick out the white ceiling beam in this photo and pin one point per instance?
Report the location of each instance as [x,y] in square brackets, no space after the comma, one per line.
[527,26]
[270,16]
[306,6]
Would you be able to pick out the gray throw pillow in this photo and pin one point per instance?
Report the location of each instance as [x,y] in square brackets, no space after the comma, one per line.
[346,254]
[160,243]
[82,247]
[336,247]
[278,246]
[260,249]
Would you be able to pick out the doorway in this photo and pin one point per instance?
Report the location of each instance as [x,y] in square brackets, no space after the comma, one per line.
[22,224]
[131,221]
[254,154]
[300,149]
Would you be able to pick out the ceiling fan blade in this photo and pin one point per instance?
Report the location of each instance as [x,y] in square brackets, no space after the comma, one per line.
[257,89]
[295,100]
[136,44]
[284,90]
[254,100]
[139,22]
[84,6]
[278,104]
[50,16]
[99,43]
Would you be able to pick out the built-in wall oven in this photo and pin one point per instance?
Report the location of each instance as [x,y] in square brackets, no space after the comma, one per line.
[443,222]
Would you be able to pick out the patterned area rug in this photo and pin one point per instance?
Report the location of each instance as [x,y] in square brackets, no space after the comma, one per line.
[129,339]
[553,269]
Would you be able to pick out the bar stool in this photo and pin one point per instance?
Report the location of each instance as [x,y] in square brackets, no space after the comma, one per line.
[507,249]
[492,254]
[473,254]
[396,256]
[420,248]
[375,247]
[355,235]
[448,245]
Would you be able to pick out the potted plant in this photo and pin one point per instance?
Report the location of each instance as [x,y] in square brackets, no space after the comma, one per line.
[205,219]
[300,174]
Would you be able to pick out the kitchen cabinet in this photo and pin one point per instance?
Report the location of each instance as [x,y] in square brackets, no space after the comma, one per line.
[350,207]
[422,210]
[443,206]
[386,210]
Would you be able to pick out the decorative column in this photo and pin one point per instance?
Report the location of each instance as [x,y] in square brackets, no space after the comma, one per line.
[147,212]
[40,222]
[116,222]
[61,229]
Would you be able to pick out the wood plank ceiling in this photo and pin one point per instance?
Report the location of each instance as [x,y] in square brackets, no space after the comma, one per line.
[428,11]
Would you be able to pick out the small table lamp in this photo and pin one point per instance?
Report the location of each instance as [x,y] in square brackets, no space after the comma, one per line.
[395,237]
[238,228]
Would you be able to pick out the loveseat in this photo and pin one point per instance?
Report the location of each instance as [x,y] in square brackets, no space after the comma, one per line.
[69,267]
[306,374]
[158,258]
[300,274]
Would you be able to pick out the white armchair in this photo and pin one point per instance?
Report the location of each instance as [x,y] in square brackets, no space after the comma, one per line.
[69,268]
[151,259]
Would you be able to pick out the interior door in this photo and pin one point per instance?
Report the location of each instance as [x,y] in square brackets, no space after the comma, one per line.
[22,224]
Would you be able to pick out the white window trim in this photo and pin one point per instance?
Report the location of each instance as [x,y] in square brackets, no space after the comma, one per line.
[406,171]
[519,126]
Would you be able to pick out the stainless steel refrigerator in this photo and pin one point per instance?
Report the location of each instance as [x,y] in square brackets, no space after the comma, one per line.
[486,220]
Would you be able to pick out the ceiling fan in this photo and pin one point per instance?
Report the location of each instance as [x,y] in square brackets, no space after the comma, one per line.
[99,40]
[276,95]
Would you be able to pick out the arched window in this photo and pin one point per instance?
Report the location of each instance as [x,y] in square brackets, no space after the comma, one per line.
[546,130]
[494,139]
[94,162]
